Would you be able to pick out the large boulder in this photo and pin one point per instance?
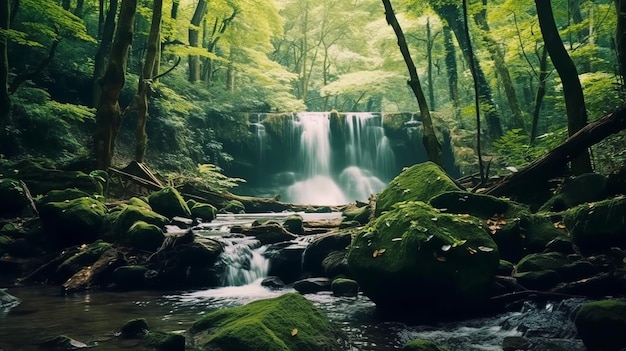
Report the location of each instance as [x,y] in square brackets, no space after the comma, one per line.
[205,212]
[588,187]
[597,226]
[421,182]
[601,325]
[145,236]
[169,203]
[321,248]
[285,323]
[416,259]
[123,220]
[74,221]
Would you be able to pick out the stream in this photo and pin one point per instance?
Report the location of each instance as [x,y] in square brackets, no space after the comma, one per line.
[94,317]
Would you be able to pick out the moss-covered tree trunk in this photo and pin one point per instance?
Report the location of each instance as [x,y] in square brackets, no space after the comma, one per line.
[108,115]
[195,72]
[433,148]
[451,69]
[108,30]
[154,41]
[572,89]
[5,100]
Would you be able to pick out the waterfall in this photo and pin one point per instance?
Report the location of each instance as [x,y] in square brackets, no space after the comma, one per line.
[243,261]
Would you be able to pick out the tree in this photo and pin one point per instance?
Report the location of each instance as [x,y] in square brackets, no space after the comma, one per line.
[195,72]
[572,90]
[5,100]
[620,38]
[433,148]
[107,31]
[108,114]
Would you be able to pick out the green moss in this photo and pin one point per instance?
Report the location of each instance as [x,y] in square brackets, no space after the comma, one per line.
[131,214]
[587,187]
[75,221]
[163,341]
[286,323]
[422,345]
[234,206]
[541,261]
[430,260]
[294,224]
[145,236]
[169,203]
[538,280]
[505,268]
[420,182]
[479,205]
[597,226]
[203,211]
[359,214]
[62,195]
[601,325]
[135,201]
[344,287]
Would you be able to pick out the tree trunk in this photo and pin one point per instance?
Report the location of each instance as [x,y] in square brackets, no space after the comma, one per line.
[80,5]
[429,53]
[517,119]
[620,39]
[152,57]
[66,4]
[572,90]
[541,92]
[452,15]
[108,114]
[195,71]
[100,18]
[451,69]
[103,49]
[433,148]
[5,100]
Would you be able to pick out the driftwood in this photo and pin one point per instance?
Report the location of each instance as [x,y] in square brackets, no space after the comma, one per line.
[552,164]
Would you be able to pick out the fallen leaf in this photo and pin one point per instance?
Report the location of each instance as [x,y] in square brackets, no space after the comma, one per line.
[464,215]
[294,332]
[445,248]
[434,219]
[429,237]
[471,250]
[396,239]
[485,249]
[441,259]
[560,225]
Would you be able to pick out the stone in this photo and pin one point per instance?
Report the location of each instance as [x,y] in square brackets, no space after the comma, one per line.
[272,282]
[129,215]
[13,196]
[162,341]
[169,203]
[135,201]
[130,277]
[541,261]
[345,287]
[420,182]
[233,206]
[63,195]
[361,215]
[74,221]
[601,325]
[336,264]
[422,345]
[144,236]
[588,187]
[269,233]
[505,268]
[312,285]
[515,343]
[7,300]
[206,212]
[417,261]
[62,342]
[134,329]
[323,245]
[286,323]
[598,226]
[294,224]
[285,260]
[538,280]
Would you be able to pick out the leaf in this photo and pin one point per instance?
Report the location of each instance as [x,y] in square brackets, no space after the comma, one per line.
[441,259]
[445,248]
[378,252]
[485,249]
[294,332]
[396,239]
[471,250]
[434,219]
[429,237]
[560,225]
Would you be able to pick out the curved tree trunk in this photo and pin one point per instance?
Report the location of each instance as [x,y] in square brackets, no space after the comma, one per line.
[108,115]
[572,90]
[433,148]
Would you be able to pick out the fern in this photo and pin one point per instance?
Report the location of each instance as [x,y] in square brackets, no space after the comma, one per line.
[207,176]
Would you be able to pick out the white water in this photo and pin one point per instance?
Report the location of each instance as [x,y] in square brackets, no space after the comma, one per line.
[243,261]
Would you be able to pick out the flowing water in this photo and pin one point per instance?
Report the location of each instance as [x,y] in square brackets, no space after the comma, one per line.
[95,317]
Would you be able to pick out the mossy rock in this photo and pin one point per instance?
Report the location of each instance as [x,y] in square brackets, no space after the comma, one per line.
[206,212]
[5,243]
[539,230]
[505,268]
[585,188]
[479,205]
[294,224]
[541,261]
[124,219]
[11,229]
[422,345]
[135,201]
[62,342]
[322,247]
[134,328]
[358,214]
[169,203]
[601,325]
[420,182]
[145,236]
[234,206]
[345,287]
[62,195]
[598,226]
[75,221]
[538,280]
[416,259]
[286,323]
[13,197]
[130,277]
[42,179]
[191,203]
[336,264]
[162,341]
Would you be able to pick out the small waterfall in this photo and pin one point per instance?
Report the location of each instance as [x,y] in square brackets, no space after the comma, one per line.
[243,261]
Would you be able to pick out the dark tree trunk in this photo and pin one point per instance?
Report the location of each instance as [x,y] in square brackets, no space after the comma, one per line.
[572,90]
[80,5]
[451,13]
[541,92]
[429,52]
[66,4]
[433,148]
[103,50]
[620,39]
[451,69]
[108,114]
[100,18]
[195,71]
[5,100]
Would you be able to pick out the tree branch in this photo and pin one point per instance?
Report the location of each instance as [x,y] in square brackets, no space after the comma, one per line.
[32,73]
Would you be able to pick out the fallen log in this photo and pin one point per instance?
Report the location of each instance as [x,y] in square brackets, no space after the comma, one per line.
[553,163]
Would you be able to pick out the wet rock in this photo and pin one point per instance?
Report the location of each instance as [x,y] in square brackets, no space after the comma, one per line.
[62,342]
[169,203]
[294,224]
[162,341]
[134,329]
[205,212]
[538,280]
[360,215]
[598,226]
[274,283]
[322,246]
[336,264]
[601,325]
[285,260]
[505,268]
[420,182]
[269,233]
[74,221]
[415,259]
[144,236]
[7,300]
[541,261]
[233,206]
[288,322]
[345,287]
[422,345]
[130,277]
[312,285]
[515,343]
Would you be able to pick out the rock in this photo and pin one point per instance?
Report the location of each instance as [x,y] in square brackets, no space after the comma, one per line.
[87,255]
[63,342]
[285,260]
[420,182]
[515,343]
[134,329]
[272,282]
[269,233]
[169,203]
[541,261]
[135,201]
[233,206]
[360,215]
[75,221]
[561,245]
[182,222]
[205,212]
[601,325]
[345,287]
[336,264]
[41,179]
[538,280]
[415,259]
[128,216]
[312,285]
[162,341]
[598,226]
[294,224]
[422,345]
[321,247]
[584,188]
[286,323]
[7,300]
[14,199]
[64,195]
[505,268]
[144,236]
[130,277]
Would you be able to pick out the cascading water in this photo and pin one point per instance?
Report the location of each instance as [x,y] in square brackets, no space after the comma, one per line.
[243,261]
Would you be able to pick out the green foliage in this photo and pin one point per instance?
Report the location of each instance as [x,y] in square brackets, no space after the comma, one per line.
[207,176]
[513,148]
